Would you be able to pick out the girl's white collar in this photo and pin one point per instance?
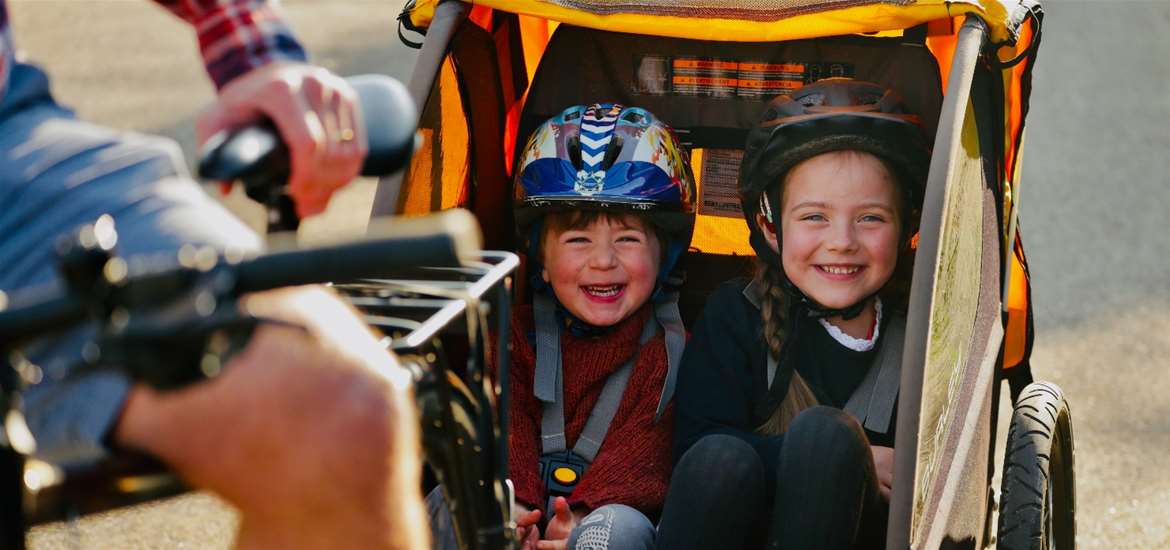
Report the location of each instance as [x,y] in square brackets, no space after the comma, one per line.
[857,344]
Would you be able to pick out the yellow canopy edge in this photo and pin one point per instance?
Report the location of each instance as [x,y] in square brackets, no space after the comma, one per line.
[830,22]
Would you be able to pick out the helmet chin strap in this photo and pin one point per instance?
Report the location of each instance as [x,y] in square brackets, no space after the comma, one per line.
[815,309]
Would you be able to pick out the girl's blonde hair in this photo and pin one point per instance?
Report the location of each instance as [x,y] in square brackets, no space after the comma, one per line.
[774,310]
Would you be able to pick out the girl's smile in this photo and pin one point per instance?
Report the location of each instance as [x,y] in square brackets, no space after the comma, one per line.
[840,226]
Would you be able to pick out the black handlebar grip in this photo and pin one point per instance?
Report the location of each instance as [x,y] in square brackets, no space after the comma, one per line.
[443,239]
[391,118]
[256,151]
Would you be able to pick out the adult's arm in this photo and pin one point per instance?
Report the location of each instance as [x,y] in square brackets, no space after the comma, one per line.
[237,36]
[260,71]
[310,432]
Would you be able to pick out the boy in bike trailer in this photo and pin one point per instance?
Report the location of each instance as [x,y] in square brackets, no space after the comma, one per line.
[604,197]
[345,475]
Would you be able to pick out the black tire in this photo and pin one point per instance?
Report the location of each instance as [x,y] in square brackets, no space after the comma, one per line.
[1038,497]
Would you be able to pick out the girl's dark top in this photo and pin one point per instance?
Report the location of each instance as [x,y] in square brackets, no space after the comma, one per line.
[722,381]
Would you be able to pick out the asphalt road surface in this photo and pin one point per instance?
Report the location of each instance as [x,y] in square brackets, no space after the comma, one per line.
[1096,192]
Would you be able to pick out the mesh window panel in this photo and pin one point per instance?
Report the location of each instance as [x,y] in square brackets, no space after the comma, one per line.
[750,10]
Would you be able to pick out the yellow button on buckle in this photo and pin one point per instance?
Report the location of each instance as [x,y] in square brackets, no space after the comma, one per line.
[565,476]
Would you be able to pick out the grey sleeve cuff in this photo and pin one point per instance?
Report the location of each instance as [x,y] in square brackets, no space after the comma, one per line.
[71,419]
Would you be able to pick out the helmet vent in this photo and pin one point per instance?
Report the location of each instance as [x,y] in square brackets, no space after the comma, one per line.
[634,117]
[612,152]
[812,100]
[573,145]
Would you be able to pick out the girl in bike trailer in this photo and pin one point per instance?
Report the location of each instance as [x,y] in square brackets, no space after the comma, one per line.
[786,393]
[604,197]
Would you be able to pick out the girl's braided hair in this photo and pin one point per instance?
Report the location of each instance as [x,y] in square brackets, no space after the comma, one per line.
[774,310]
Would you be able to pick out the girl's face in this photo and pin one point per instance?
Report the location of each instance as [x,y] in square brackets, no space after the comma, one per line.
[605,271]
[840,226]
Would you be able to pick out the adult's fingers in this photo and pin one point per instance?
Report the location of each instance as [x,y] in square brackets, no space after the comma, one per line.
[296,112]
[552,545]
[335,105]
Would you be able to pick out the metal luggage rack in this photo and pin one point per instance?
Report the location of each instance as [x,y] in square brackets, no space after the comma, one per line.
[414,308]
[462,410]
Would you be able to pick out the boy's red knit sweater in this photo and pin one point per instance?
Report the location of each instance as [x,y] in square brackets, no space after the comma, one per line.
[633,465]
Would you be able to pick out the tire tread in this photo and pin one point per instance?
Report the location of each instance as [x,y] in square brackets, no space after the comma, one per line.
[1032,439]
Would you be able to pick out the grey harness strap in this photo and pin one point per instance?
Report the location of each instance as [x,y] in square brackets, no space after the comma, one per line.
[548,349]
[754,292]
[547,384]
[549,377]
[676,340]
[872,403]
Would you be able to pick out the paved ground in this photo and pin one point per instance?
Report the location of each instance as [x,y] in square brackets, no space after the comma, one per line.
[1097,174]
[1097,185]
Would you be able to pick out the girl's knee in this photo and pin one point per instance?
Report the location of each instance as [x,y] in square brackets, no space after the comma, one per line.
[724,456]
[826,435]
[613,526]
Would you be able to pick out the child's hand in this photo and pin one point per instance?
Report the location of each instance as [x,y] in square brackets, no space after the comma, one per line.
[526,531]
[883,463]
[556,534]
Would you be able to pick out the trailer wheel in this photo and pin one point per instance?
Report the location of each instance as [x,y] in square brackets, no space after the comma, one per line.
[1038,495]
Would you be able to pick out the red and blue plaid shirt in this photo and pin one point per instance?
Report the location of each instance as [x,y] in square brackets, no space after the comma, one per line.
[235,36]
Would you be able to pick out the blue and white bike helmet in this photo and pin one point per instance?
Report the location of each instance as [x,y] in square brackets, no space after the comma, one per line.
[606,156]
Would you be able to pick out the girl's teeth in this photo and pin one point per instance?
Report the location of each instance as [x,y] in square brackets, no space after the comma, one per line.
[840,270]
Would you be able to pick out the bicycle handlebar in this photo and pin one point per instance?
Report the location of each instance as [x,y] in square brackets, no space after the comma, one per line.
[443,239]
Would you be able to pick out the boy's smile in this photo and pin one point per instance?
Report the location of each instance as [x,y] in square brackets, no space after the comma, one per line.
[605,271]
[840,226]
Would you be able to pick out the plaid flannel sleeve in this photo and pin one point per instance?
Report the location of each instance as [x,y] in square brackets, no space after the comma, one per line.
[236,36]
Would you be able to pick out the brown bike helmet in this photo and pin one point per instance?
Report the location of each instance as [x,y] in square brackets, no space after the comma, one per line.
[830,115]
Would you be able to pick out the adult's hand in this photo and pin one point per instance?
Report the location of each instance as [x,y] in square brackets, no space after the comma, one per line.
[318,116]
[883,463]
[310,432]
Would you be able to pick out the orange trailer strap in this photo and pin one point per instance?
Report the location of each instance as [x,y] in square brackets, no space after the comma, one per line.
[1017,74]
[1019,332]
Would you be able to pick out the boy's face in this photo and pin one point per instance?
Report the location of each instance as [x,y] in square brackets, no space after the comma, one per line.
[605,271]
[840,227]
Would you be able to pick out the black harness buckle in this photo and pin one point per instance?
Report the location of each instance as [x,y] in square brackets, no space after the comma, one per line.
[561,472]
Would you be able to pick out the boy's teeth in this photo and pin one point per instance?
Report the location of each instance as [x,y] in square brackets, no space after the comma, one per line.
[604,290]
[840,270]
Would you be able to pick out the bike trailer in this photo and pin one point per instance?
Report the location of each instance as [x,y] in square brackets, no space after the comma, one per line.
[490,71]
